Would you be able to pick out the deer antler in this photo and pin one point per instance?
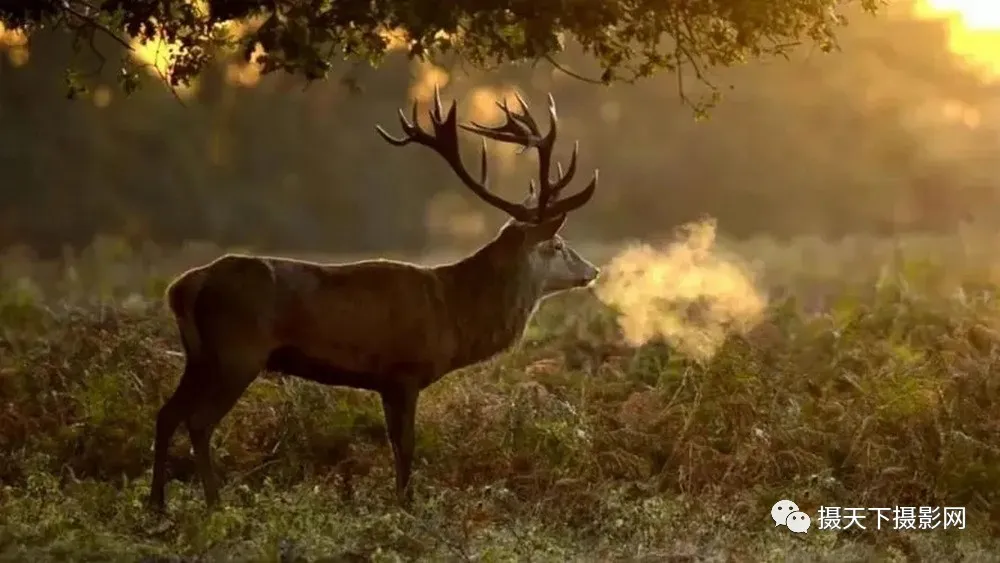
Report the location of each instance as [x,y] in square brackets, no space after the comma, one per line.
[522,129]
[444,141]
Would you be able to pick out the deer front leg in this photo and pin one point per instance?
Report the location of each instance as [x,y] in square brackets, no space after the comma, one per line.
[400,408]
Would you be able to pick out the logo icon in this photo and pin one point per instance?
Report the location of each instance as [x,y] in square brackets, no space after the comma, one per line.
[798,522]
[786,513]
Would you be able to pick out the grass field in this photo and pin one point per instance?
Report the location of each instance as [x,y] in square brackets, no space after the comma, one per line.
[867,381]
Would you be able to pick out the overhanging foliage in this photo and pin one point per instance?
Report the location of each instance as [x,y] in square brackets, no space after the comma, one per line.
[628,39]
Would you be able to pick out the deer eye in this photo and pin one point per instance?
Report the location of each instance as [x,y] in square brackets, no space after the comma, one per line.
[547,250]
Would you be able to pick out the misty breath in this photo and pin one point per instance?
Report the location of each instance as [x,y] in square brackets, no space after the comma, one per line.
[689,294]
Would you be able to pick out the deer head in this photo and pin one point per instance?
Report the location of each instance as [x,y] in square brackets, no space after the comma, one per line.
[532,233]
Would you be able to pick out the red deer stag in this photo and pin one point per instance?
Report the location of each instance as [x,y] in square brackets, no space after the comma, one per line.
[380,325]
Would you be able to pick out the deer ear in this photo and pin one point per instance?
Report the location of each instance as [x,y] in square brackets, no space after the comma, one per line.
[546,229]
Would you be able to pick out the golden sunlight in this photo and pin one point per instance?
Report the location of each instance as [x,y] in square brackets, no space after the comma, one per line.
[158,56]
[427,76]
[974,30]
[16,44]
[246,74]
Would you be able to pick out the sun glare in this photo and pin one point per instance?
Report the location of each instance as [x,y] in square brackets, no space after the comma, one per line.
[974,30]
[16,44]
[158,55]
[974,14]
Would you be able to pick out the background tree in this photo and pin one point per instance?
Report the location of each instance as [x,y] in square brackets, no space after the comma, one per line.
[628,40]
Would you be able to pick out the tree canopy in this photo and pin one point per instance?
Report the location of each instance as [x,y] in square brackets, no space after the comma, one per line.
[627,39]
[893,135]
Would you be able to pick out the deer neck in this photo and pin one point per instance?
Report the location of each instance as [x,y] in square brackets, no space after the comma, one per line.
[491,295]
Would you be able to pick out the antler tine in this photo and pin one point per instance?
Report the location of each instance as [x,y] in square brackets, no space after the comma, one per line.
[574,201]
[444,141]
[482,164]
[415,120]
[512,130]
[437,111]
[547,190]
[525,127]
[390,139]
[564,178]
[553,119]
[525,115]
[406,126]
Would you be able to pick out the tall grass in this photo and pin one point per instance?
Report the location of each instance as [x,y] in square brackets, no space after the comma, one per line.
[868,382]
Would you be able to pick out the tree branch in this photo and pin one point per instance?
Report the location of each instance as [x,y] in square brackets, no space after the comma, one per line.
[569,72]
[93,23]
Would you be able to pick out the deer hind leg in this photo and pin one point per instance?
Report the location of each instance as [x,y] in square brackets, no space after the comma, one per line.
[222,391]
[400,409]
[167,420]
[233,314]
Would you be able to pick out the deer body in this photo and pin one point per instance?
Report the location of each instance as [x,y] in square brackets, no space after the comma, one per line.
[365,324]
[379,325]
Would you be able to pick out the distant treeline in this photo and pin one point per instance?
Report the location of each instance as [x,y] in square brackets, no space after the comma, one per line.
[825,144]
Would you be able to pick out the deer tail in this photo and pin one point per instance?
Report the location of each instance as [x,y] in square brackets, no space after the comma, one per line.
[180,297]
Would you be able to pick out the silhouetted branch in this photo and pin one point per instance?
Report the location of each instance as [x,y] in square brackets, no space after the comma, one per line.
[569,72]
[94,24]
